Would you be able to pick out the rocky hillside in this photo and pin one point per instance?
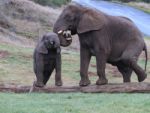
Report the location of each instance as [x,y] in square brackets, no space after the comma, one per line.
[22,22]
[23,19]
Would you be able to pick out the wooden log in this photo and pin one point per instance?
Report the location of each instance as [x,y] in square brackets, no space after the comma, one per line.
[118,88]
[56,89]
[109,88]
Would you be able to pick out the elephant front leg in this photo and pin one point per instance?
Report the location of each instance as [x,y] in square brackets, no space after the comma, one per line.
[58,80]
[38,70]
[84,64]
[36,84]
[101,64]
[39,81]
[39,78]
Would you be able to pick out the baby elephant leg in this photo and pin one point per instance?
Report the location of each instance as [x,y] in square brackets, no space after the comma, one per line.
[38,70]
[39,81]
[48,71]
[35,86]
[58,80]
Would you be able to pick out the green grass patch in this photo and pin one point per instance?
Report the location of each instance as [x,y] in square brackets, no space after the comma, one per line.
[147,38]
[52,2]
[16,68]
[139,6]
[74,103]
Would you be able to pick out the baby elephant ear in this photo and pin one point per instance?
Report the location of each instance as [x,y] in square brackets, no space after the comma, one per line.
[41,48]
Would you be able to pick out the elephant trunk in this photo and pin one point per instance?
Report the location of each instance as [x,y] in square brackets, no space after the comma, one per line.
[63,34]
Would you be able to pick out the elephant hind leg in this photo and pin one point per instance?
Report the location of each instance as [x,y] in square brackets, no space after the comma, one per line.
[125,71]
[129,58]
[46,77]
[138,70]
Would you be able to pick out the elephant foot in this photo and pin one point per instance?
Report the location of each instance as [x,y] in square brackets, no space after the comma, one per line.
[38,84]
[58,83]
[34,86]
[126,81]
[101,81]
[84,82]
[142,77]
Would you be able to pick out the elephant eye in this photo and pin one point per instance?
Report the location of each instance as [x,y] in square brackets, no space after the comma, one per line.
[52,42]
[45,41]
[69,18]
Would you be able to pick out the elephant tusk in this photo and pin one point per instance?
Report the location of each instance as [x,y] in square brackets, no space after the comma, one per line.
[60,32]
[68,39]
[67,34]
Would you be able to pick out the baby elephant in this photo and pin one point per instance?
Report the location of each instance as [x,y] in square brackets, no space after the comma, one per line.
[47,57]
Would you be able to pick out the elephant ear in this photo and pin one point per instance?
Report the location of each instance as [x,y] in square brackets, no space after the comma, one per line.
[91,20]
[41,48]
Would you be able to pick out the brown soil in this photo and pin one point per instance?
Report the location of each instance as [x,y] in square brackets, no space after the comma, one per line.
[109,69]
[93,65]
[89,73]
[28,57]
[92,73]
[4,54]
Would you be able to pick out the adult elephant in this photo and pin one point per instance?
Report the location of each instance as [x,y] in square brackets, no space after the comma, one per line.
[112,39]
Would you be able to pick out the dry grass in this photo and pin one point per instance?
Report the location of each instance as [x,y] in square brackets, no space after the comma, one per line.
[16,67]
[25,19]
[141,5]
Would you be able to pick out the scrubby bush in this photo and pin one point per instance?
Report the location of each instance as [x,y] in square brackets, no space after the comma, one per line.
[52,2]
[147,1]
[127,0]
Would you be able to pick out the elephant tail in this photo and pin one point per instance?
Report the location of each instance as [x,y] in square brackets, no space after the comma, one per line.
[145,50]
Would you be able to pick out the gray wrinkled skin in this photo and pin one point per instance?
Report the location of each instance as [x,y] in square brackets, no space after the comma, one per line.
[47,57]
[111,39]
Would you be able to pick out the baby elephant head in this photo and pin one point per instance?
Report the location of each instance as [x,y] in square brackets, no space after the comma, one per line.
[49,41]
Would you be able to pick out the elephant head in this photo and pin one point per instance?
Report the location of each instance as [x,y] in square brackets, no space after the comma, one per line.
[48,41]
[77,19]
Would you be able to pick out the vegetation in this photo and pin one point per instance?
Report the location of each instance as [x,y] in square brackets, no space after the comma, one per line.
[52,2]
[142,6]
[25,19]
[74,103]
[16,69]
[147,1]
[139,4]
